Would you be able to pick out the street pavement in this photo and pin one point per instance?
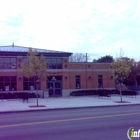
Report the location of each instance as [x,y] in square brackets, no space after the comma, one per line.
[16,105]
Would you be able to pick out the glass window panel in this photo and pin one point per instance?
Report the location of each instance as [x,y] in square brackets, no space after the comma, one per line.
[53,66]
[32,79]
[31,83]
[49,66]
[13,86]
[7,65]
[7,87]
[59,61]
[51,92]
[58,77]
[1,86]
[1,60]
[31,87]
[57,91]
[59,66]
[35,78]
[1,78]
[78,82]
[57,85]
[6,84]
[100,81]
[13,60]
[77,77]
[7,60]
[13,66]
[13,78]
[53,61]
[49,61]
[1,66]
[7,78]
[13,63]
[50,85]
[25,79]
[26,86]
[37,85]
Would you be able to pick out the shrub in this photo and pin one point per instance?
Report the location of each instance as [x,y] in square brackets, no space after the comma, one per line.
[93,92]
[10,95]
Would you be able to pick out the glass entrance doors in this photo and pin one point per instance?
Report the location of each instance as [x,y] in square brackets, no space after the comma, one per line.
[54,85]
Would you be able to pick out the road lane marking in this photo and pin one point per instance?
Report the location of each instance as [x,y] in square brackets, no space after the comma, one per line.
[67,120]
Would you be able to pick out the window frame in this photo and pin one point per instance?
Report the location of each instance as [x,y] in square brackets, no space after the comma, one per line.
[77,81]
[54,63]
[8,63]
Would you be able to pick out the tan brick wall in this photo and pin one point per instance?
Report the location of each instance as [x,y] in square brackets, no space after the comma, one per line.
[43,85]
[19,81]
[86,70]
[66,80]
[68,73]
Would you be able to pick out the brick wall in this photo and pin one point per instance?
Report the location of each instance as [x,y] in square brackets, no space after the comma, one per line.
[88,72]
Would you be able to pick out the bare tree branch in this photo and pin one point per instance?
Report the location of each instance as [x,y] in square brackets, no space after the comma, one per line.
[79,57]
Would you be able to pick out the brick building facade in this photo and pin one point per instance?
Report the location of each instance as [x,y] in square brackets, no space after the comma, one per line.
[63,76]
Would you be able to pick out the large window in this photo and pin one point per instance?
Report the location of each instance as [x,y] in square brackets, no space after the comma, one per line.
[8,63]
[54,63]
[78,81]
[7,83]
[30,83]
[100,81]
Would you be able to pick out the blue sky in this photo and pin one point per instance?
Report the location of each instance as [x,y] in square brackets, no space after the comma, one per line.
[98,27]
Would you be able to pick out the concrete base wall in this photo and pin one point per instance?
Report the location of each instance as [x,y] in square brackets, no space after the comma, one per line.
[66,92]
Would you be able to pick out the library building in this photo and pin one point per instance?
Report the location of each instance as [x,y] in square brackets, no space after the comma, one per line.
[63,76]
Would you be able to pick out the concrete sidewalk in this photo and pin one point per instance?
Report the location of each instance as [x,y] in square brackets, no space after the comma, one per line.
[13,105]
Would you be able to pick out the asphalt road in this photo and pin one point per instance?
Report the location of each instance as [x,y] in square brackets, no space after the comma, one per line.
[107,123]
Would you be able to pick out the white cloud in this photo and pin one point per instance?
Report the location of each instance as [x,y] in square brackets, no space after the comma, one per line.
[97,26]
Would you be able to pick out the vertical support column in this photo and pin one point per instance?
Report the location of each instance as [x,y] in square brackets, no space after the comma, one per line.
[43,84]
[19,74]
[19,82]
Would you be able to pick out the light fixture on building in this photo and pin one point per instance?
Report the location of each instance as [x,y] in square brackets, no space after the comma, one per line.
[66,77]
[53,78]
[20,78]
[111,77]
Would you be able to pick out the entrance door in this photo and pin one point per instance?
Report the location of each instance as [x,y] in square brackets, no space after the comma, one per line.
[55,88]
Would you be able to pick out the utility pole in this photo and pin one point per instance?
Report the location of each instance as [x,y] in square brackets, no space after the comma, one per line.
[86,57]
[86,71]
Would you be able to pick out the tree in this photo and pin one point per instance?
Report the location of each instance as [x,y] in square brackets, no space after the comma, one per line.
[121,68]
[36,66]
[135,72]
[79,57]
[104,59]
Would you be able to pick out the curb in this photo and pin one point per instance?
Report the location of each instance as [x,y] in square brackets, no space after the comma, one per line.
[53,109]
